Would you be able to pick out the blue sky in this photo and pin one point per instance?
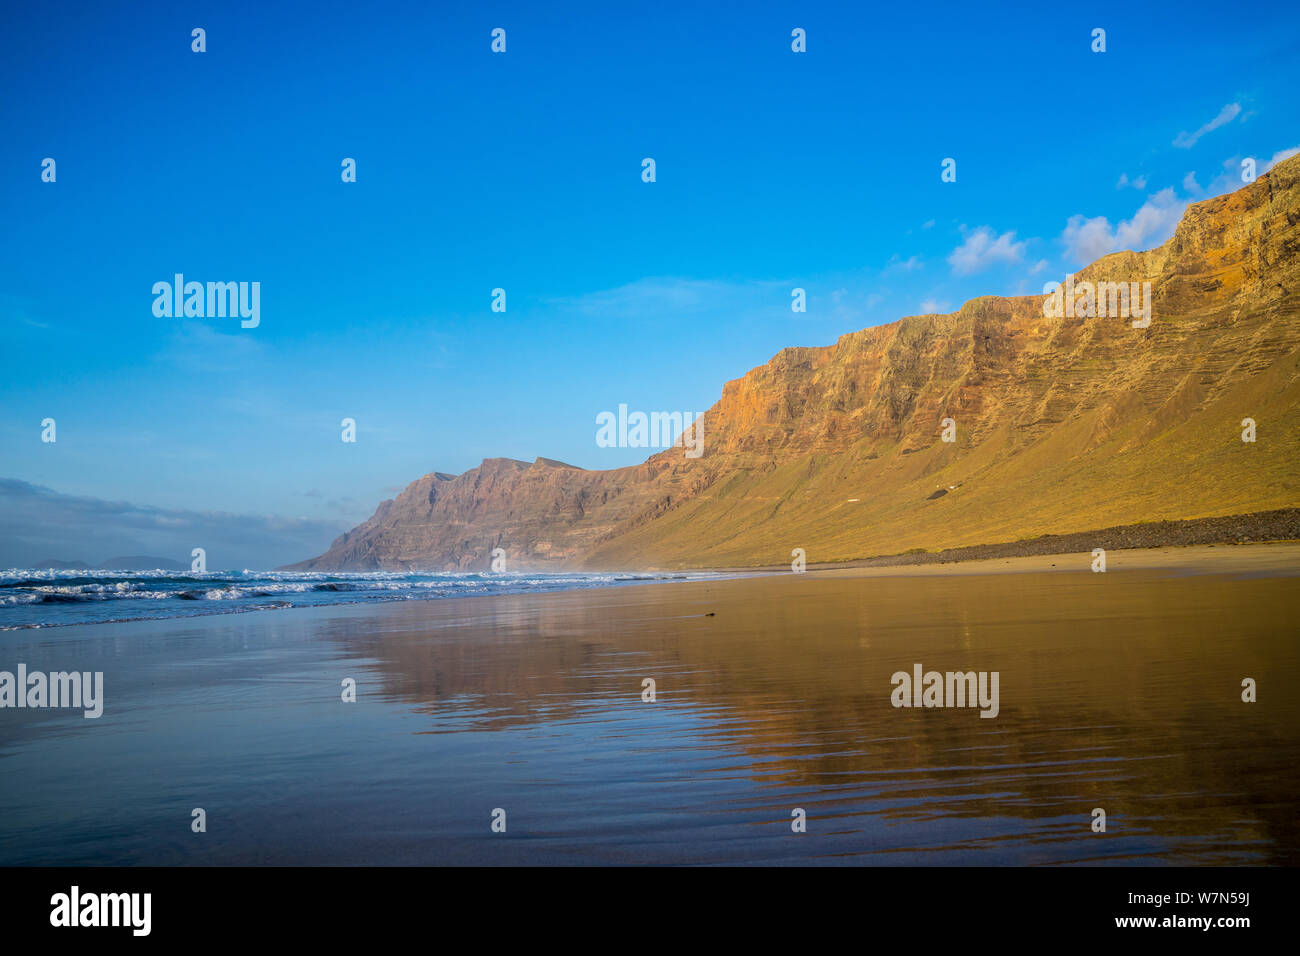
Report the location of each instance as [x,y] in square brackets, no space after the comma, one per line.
[522,171]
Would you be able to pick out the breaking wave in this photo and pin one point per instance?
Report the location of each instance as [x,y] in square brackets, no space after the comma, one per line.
[47,598]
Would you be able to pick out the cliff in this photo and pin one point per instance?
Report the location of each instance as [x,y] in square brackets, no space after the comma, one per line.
[1062,425]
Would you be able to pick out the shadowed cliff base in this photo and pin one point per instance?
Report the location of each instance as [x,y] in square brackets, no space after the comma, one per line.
[1263,527]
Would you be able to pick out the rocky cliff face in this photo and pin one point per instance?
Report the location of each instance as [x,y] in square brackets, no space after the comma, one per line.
[1062,424]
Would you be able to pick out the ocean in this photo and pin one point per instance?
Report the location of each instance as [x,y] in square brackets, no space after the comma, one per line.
[50,598]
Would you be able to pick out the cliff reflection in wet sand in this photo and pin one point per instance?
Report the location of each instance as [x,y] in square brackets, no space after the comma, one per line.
[1120,692]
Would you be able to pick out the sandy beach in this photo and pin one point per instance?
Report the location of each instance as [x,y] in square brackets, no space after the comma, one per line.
[772,694]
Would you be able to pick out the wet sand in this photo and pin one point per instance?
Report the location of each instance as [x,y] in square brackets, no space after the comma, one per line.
[772,694]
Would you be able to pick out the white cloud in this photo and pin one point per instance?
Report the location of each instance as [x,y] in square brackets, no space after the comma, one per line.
[1190,185]
[1088,239]
[934,307]
[1226,115]
[1139,182]
[983,248]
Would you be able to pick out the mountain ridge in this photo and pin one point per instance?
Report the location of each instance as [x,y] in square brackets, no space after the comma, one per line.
[1061,424]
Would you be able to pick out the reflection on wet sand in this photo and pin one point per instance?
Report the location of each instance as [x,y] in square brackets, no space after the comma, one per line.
[1118,691]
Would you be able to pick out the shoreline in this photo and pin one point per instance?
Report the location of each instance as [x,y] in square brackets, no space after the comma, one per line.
[1269,559]
[1263,543]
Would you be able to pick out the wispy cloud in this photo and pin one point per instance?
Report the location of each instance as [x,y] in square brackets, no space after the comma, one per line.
[1087,239]
[1138,182]
[658,296]
[14,307]
[983,248]
[198,346]
[1280,156]
[1226,115]
[897,262]
[1229,178]
[845,297]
